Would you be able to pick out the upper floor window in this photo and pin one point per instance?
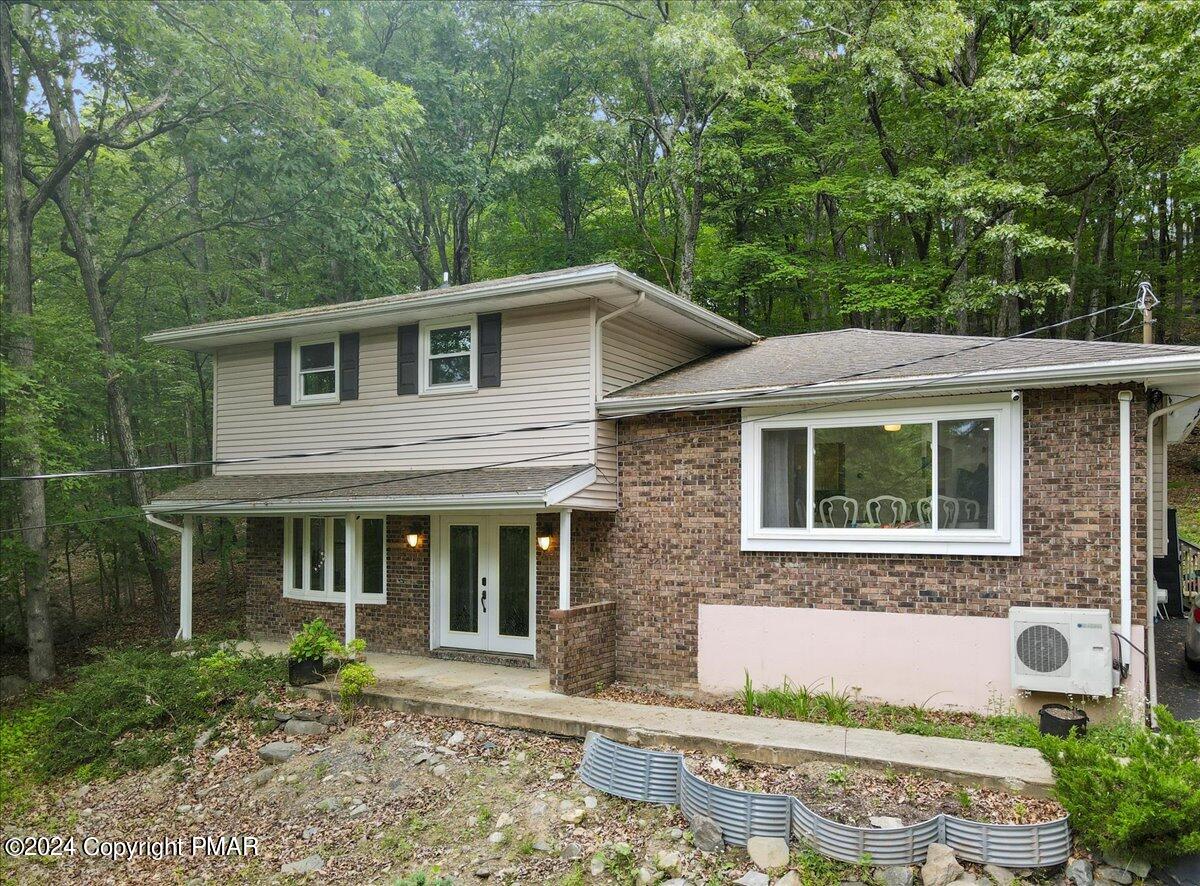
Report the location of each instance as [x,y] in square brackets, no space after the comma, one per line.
[933,479]
[316,374]
[449,360]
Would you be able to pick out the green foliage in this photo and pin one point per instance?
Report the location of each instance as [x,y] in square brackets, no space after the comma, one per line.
[130,708]
[313,641]
[423,878]
[1133,793]
[354,678]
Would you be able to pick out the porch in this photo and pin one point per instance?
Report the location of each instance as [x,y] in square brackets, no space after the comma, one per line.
[520,698]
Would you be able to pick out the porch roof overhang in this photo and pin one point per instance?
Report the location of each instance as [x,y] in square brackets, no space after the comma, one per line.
[451,489]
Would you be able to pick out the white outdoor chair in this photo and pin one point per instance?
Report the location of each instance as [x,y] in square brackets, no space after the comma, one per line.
[968,508]
[887,510]
[848,509]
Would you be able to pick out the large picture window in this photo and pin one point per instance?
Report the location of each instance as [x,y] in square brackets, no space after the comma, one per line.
[315,558]
[920,479]
[448,359]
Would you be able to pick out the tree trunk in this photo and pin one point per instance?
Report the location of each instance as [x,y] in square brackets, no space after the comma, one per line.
[20,409]
[1068,308]
[1102,240]
[118,409]
[1177,320]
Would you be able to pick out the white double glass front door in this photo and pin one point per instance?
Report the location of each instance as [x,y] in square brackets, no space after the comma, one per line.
[487,583]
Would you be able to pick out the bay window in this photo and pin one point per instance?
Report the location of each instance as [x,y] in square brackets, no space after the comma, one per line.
[316,562]
[938,479]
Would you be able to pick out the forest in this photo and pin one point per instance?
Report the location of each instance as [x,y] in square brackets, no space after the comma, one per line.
[976,167]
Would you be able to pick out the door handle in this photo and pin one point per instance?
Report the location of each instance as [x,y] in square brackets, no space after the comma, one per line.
[483,599]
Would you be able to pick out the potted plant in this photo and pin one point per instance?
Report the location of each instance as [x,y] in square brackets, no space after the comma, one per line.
[306,654]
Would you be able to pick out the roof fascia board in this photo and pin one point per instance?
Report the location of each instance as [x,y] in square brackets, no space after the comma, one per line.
[356,314]
[390,504]
[564,489]
[1143,370]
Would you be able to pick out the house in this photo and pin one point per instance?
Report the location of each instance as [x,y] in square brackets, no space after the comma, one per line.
[583,471]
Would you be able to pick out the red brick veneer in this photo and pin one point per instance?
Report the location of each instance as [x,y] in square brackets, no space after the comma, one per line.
[582,653]
[675,543]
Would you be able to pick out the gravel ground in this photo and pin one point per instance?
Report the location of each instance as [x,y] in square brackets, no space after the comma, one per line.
[395,794]
[1178,686]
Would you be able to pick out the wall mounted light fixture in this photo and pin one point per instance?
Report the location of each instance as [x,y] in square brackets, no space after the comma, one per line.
[544,542]
[413,539]
[892,427]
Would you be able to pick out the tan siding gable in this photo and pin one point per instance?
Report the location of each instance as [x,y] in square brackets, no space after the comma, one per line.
[635,349]
[546,371]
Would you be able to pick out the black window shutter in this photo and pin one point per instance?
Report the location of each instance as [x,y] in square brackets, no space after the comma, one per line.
[283,373]
[406,359]
[489,350]
[348,365]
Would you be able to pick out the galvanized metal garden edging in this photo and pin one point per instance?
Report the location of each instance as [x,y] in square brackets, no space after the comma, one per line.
[663,777]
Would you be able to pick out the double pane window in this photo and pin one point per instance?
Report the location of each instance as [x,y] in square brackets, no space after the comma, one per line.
[448,355]
[316,372]
[315,549]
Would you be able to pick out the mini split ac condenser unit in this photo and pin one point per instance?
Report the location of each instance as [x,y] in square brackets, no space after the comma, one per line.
[1062,650]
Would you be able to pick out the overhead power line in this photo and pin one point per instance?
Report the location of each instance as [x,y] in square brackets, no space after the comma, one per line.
[552,426]
[890,394]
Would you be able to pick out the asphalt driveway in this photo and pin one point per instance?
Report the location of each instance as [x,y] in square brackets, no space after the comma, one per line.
[1178,687]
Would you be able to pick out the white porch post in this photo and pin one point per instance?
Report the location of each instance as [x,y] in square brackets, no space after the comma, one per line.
[564,559]
[351,575]
[185,578]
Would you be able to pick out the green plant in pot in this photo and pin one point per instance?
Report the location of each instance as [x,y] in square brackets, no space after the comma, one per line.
[306,654]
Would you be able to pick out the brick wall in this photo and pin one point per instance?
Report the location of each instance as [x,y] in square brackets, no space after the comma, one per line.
[399,625]
[582,654]
[675,543]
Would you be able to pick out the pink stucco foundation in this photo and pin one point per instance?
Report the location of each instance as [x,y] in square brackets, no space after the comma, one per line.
[940,661]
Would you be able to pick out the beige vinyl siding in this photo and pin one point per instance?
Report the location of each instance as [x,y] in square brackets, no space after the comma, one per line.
[1160,504]
[546,373]
[634,349]
[603,493]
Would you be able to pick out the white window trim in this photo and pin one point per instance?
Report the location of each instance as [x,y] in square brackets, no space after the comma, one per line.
[427,326]
[298,397]
[1004,540]
[353,575]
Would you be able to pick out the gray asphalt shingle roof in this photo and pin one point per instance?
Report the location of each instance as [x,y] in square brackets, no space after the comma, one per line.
[370,485]
[864,355]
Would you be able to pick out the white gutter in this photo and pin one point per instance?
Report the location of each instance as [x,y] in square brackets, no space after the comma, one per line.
[359,314]
[599,348]
[163,523]
[958,382]
[1125,399]
[1151,602]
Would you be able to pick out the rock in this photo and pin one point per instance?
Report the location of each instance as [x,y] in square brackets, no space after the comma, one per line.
[203,738]
[221,754]
[445,751]
[596,865]
[497,837]
[183,808]
[519,756]
[439,770]
[676,881]
[753,878]
[360,809]
[885,821]
[334,718]
[557,776]
[309,865]
[278,751]
[304,727]
[457,738]
[483,872]
[329,804]
[1109,874]
[424,757]
[706,834]
[645,876]
[941,867]
[791,878]
[310,832]
[504,820]
[571,851]
[895,875]
[1079,872]
[268,725]
[768,852]
[541,844]
[667,861]
[574,816]
[488,746]
[261,777]
[539,808]
[1135,866]
[306,715]
[716,764]
[12,685]
[1000,876]
[565,805]
[260,700]
[589,802]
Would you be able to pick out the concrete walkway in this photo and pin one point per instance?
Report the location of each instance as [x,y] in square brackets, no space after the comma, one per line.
[520,698]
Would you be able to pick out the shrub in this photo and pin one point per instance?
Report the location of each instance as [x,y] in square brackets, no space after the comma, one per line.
[353,679]
[1133,793]
[313,641]
[132,707]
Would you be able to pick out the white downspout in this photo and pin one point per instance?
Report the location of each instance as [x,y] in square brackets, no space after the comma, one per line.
[186,533]
[599,373]
[1151,601]
[1124,655]
[564,559]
